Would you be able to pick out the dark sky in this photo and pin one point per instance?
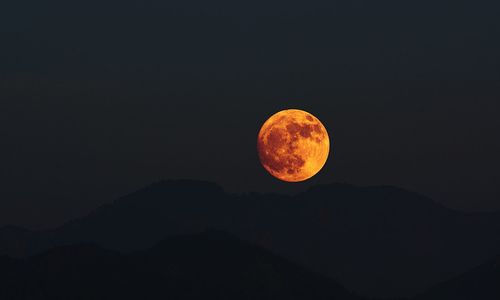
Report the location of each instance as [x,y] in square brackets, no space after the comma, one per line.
[99,98]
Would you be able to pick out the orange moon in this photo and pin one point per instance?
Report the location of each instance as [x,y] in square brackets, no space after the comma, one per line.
[293,145]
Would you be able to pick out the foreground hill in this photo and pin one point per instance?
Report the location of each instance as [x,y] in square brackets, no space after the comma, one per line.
[205,266]
[379,241]
[481,283]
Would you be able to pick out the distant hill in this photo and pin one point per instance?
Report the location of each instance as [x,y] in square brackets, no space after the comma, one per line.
[211,265]
[378,241]
[481,283]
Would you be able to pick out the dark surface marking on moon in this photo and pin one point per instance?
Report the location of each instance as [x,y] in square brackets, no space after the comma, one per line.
[295,128]
[276,140]
[305,131]
[317,128]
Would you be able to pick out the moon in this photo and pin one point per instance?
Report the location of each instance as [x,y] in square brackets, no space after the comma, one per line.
[293,145]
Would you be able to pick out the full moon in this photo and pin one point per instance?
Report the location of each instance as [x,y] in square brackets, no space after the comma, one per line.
[293,145]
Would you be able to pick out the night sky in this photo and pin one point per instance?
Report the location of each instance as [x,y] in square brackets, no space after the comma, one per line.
[100,98]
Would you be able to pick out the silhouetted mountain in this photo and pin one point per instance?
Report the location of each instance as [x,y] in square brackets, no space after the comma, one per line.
[212,265]
[379,241]
[481,283]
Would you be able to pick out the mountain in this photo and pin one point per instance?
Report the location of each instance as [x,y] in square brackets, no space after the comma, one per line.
[377,241]
[482,283]
[212,265]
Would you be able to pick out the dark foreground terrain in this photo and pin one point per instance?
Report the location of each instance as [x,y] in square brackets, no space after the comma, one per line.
[212,265]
